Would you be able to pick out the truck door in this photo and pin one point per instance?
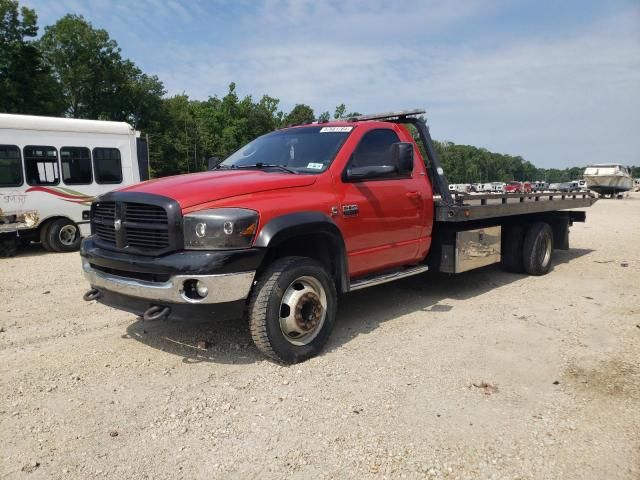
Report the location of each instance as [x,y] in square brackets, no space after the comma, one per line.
[383,219]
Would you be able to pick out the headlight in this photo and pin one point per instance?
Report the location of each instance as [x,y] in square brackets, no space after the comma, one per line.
[220,229]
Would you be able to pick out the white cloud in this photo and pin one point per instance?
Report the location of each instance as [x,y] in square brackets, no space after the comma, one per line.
[556,101]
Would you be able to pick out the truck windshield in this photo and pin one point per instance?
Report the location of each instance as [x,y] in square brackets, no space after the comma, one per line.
[303,150]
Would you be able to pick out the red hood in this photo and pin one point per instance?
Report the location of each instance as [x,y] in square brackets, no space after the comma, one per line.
[197,188]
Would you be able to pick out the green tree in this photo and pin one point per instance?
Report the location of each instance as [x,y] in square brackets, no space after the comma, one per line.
[26,83]
[300,114]
[191,131]
[324,117]
[96,81]
[341,112]
[86,61]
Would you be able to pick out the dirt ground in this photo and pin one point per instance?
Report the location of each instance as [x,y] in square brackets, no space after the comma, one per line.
[483,375]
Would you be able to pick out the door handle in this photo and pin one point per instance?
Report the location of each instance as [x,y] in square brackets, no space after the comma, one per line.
[414,195]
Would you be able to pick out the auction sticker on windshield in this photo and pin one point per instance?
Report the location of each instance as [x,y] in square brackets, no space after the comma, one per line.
[315,166]
[335,129]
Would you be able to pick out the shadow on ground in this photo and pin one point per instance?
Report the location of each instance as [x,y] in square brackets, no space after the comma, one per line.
[226,339]
[33,249]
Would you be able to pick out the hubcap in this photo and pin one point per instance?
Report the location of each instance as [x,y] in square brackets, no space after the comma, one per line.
[67,235]
[303,310]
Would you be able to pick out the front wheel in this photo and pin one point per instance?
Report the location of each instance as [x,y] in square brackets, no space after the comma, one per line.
[292,309]
[63,236]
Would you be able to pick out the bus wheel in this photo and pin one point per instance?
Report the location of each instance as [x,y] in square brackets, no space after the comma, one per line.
[44,237]
[63,236]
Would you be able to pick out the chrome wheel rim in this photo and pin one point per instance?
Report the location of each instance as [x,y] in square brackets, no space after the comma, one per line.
[67,235]
[303,310]
[544,251]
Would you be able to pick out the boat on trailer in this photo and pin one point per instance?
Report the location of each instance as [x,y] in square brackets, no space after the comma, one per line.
[608,178]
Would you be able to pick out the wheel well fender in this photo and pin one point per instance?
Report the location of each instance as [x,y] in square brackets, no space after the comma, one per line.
[311,234]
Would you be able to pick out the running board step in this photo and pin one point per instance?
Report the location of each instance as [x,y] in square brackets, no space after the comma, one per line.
[387,277]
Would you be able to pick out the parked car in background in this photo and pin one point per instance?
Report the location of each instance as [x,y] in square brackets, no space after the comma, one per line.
[574,186]
[518,187]
[497,187]
[539,186]
[564,187]
[459,187]
[513,187]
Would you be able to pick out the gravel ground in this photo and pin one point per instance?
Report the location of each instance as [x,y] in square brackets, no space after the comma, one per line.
[483,375]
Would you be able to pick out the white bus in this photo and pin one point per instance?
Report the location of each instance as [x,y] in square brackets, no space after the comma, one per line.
[52,168]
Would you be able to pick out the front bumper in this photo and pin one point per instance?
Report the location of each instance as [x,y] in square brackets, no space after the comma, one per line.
[228,287]
[227,275]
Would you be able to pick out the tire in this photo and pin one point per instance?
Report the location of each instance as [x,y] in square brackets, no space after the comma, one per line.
[537,249]
[292,286]
[8,244]
[44,232]
[63,236]
[512,242]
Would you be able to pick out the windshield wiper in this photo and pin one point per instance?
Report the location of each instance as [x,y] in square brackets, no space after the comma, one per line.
[261,166]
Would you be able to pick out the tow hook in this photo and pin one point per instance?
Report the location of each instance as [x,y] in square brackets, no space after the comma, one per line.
[92,294]
[156,312]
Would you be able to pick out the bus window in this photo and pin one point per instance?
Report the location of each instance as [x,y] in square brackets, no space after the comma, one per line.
[10,167]
[107,165]
[41,165]
[76,165]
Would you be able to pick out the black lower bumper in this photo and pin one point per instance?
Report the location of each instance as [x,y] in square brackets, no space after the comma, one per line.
[195,262]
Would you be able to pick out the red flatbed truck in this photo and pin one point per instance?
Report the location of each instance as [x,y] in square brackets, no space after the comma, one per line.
[302,215]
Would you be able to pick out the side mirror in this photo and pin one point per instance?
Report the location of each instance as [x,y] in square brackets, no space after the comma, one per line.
[402,157]
[212,162]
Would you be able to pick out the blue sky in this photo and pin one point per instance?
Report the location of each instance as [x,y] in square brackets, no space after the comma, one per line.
[557,82]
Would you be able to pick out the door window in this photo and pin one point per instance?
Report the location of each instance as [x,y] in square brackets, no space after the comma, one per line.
[10,166]
[107,165]
[374,149]
[41,165]
[76,165]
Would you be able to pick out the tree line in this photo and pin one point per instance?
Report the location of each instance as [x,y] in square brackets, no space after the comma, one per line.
[76,70]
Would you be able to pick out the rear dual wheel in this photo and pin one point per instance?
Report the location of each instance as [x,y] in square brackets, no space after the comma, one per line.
[528,250]
[537,249]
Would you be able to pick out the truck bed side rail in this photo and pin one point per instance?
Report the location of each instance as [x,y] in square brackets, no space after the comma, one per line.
[475,207]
